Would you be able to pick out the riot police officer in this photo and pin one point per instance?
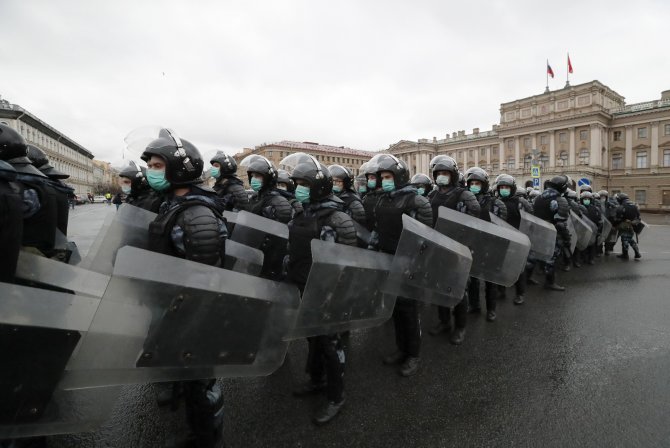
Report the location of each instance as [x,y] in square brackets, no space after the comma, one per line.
[628,218]
[397,198]
[451,194]
[12,145]
[133,183]
[267,201]
[228,186]
[593,213]
[477,181]
[374,189]
[189,225]
[422,183]
[553,207]
[579,210]
[361,186]
[514,203]
[343,189]
[286,187]
[610,206]
[320,218]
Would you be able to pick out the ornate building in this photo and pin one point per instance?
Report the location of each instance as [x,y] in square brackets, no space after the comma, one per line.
[64,153]
[585,131]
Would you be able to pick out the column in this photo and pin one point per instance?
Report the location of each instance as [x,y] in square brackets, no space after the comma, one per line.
[552,150]
[465,159]
[628,157]
[654,146]
[596,145]
[488,157]
[571,156]
[416,163]
[517,154]
[501,155]
[533,141]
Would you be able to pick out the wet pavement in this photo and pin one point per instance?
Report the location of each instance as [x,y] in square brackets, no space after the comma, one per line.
[586,367]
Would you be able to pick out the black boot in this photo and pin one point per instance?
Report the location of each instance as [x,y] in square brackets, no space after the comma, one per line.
[550,283]
[328,412]
[638,255]
[440,328]
[519,300]
[410,366]
[395,358]
[458,336]
[623,255]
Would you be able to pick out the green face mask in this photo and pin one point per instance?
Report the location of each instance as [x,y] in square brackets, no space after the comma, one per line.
[475,189]
[302,194]
[388,185]
[420,191]
[372,184]
[587,201]
[504,192]
[256,184]
[156,180]
[337,189]
[362,189]
[215,172]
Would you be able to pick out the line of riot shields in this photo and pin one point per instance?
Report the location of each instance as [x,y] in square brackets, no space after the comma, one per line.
[74,333]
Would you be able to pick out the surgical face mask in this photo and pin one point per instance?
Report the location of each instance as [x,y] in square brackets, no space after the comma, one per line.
[475,189]
[420,191]
[337,189]
[362,189]
[443,180]
[126,189]
[388,185]
[302,194]
[372,184]
[156,179]
[215,172]
[256,184]
[505,192]
[587,201]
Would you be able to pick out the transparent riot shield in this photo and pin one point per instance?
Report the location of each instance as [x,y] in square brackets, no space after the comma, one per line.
[582,229]
[64,277]
[66,251]
[231,217]
[163,318]
[607,228]
[129,227]
[542,235]
[573,234]
[498,254]
[594,230]
[501,222]
[362,234]
[428,266]
[39,331]
[342,291]
[244,259]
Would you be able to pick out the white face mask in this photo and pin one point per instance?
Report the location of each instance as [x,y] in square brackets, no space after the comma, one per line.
[443,180]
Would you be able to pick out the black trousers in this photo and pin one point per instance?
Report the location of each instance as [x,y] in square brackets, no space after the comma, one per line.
[204,411]
[327,355]
[460,312]
[490,291]
[407,323]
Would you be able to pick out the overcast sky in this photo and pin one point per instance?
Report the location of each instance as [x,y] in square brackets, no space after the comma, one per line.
[364,74]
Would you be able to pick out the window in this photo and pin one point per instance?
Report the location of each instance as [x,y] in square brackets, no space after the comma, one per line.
[269,153]
[617,161]
[563,137]
[460,154]
[641,159]
[482,152]
[544,161]
[617,136]
[583,135]
[666,197]
[494,166]
[544,140]
[510,144]
[642,132]
[526,142]
[584,156]
[563,158]
[667,129]
[527,162]
[666,157]
[510,163]
[472,154]
[641,196]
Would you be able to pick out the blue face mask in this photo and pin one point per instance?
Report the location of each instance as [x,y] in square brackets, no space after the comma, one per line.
[256,184]
[372,184]
[388,185]
[362,189]
[126,189]
[337,189]
[302,194]
[475,189]
[420,191]
[443,180]
[157,181]
[504,192]
[215,172]
[587,201]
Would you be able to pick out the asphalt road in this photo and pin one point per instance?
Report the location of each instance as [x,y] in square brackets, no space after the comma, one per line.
[586,367]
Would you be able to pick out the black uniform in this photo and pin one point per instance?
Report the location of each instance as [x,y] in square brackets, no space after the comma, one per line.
[628,218]
[353,206]
[514,204]
[592,211]
[460,199]
[369,201]
[290,197]
[11,222]
[231,190]
[553,207]
[145,198]
[39,229]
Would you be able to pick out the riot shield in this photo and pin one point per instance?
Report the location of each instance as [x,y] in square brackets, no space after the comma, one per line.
[39,331]
[244,259]
[498,254]
[163,318]
[342,292]
[542,235]
[573,234]
[231,217]
[501,222]
[64,277]
[362,234]
[594,230]
[582,229]
[604,233]
[428,266]
[129,227]
[66,251]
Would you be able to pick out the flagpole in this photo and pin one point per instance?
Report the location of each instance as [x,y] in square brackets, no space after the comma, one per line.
[546,71]
[567,72]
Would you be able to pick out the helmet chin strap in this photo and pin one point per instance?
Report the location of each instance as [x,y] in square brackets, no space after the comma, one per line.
[181,152]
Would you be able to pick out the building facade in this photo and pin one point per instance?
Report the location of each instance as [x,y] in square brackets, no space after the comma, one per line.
[64,153]
[584,131]
[326,154]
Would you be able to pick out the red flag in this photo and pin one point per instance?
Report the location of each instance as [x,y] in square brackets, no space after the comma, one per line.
[569,65]
[550,72]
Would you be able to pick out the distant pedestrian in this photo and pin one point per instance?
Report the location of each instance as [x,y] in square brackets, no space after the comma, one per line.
[118,200]
[108,198]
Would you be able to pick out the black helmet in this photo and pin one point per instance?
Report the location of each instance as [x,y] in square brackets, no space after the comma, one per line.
[571,194]
[40,161]
[12,144]
[604,193]
[305,167]
[135,174]
[343,173]
[533,193]
[444,163]
[585,195]
[7,172]
[559,183]
[255,163]
[621,197]
[586,188]
[283,177]
[507,181]
[389,162]
[183,162]
[421,179]
[228,164]
[476,173]
[596,196]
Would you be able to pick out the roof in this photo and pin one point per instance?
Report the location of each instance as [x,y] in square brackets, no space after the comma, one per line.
[309,146]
